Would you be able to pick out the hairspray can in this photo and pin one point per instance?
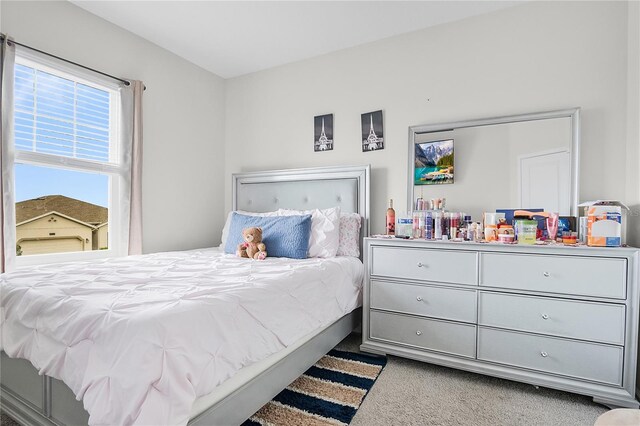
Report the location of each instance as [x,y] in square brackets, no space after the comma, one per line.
[428,235]
[437,226]
[446,217]
[454,225]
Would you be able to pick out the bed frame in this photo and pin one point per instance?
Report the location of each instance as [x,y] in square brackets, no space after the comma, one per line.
[32,399]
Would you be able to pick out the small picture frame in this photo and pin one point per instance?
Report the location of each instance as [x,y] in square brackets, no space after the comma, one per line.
[433,162]
[372,131]
[323,133]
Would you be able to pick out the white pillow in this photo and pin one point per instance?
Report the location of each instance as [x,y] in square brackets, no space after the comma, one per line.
[325,230]
[350,224]
[225,230]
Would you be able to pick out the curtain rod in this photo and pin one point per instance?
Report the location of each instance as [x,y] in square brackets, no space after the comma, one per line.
[125,82]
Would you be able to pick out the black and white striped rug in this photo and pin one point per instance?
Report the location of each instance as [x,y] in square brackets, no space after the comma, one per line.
[329,393]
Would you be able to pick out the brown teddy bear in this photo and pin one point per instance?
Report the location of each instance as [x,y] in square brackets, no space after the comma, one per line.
[252,247]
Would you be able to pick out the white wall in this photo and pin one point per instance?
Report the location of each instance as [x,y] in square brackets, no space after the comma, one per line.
[532,57]
[183,162]
[633,124]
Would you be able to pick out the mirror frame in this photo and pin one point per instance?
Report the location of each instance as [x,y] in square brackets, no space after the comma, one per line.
[572,113]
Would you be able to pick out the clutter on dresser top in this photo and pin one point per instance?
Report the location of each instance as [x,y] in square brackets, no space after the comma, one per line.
[602,223]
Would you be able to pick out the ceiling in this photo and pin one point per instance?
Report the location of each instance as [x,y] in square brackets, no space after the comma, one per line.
[232,38]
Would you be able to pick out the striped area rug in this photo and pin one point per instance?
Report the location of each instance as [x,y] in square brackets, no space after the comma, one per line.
[329,393]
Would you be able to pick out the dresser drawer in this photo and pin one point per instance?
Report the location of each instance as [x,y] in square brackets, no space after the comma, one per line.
[573,275]
[435,335]
[589,361]
[445,266]
[431,301]
[600,322]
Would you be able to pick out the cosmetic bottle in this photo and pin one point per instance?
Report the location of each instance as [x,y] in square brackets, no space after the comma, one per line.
[445,224]
[466,228]
[471,232]
[428,229]
[437,226]
[454,225]
[391,219]
[416,225]
[479,234]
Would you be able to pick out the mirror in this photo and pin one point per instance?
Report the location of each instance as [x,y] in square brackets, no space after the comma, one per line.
[520,161]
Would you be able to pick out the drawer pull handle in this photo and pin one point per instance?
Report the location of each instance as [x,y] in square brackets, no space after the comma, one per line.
[546,274]
[545,316]
[544,354]
[421,265]
[419,299]
[418,333]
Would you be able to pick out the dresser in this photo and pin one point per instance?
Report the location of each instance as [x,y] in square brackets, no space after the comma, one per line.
[553,316]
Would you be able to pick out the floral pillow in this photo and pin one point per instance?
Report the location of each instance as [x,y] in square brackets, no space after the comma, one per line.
[349,241]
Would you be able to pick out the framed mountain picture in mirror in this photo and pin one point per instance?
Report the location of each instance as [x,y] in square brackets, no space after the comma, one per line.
[433,162]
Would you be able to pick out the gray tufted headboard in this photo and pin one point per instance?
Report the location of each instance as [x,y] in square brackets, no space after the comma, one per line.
[313,188]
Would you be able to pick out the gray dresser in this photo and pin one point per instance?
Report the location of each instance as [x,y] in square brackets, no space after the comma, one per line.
[554,316]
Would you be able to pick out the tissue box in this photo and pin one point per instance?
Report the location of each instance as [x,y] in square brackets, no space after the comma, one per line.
[605,223]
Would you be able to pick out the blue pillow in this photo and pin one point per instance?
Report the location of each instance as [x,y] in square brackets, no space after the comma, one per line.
[284,236]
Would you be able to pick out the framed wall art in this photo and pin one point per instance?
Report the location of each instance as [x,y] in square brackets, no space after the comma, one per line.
[372,131]
[433,162]
[323,132]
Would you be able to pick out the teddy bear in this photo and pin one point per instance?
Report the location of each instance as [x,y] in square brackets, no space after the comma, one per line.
[252,247]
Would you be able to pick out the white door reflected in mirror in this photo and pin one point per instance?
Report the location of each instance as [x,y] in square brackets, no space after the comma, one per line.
[544,181]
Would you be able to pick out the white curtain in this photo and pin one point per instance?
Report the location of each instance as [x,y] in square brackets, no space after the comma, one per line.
[135,215]
[131,136]
[7,207]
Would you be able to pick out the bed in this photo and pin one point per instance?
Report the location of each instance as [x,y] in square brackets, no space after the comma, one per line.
[44,400]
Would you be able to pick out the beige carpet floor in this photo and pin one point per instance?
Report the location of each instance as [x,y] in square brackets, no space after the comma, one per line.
[414,393]
[7,421]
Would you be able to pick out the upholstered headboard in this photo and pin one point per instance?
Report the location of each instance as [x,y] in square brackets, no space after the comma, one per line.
[313,188]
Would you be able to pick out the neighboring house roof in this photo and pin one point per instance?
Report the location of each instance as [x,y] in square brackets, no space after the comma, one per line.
[59,215]
[79,210]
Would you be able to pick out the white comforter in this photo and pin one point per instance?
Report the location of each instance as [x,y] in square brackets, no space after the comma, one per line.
[140,338]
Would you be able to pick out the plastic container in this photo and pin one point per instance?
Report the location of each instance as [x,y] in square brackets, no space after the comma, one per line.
[506,238]
[404,226]
[569,238]
[526,231]
[491,233]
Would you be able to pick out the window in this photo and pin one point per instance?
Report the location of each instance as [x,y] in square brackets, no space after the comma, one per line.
[68,166]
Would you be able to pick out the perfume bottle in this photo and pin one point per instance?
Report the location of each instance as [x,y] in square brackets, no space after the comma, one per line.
[391,219]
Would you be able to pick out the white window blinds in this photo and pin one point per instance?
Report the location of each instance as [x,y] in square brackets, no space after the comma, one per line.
[62,117]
